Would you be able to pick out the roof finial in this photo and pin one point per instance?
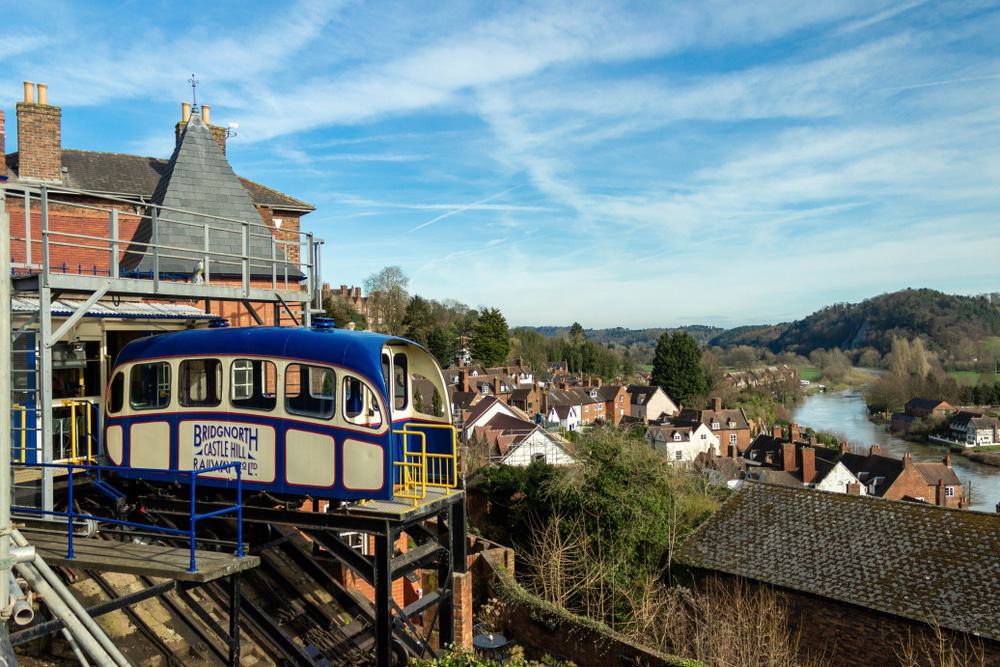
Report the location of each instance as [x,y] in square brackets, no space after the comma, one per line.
[194,91]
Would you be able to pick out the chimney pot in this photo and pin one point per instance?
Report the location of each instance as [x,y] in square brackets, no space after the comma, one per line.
[206,114]
[874,449]
[947,460]
[793,432]
[43,93]
[29,92]
[843,447]
[185,112]
[776,432]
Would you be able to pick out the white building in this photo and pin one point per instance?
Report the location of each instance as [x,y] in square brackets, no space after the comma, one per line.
[682,444]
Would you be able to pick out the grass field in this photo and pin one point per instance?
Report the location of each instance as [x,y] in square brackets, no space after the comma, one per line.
[970,378]
[811,373]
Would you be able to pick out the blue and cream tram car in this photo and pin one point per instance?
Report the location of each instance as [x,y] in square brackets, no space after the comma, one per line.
[319,412]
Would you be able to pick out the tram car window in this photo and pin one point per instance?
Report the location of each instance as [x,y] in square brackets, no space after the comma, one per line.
[116,394]
[150,386]
[360,404]
[309,391]
[399,382]
[254,384]
[201,383]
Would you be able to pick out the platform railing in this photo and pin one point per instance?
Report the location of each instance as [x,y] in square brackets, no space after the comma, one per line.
[442,469]
[71,515]
[413,468]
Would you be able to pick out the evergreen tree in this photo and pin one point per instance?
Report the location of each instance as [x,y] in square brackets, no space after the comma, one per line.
[440,345]
[491,338]
[677,367]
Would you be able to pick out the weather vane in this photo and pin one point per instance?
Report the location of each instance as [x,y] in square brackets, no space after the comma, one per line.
[194,90]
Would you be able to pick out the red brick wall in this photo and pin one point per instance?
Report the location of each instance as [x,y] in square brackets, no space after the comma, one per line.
[39,141]
[913,484]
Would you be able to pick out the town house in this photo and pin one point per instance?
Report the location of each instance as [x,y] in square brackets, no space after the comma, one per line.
[731,425]
[649,404]
[682,444]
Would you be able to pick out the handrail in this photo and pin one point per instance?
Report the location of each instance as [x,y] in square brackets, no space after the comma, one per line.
[71,515]
[446,467]
[413,477]
[24,430]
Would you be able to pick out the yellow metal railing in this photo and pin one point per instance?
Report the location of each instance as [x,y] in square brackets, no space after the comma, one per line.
[419,470]
[441,468]
[24,432]
[74,437]
[413,468]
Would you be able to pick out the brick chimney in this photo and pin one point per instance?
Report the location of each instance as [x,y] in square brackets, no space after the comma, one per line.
[843,447]
[813,440]
[808,465]
[716,404]
[788,457]
[39,136]
[776,432]
[3,148]
[939,493]
[598,382]
[794,435]
[854,488]
[907,458]
[874,450]
[947,460]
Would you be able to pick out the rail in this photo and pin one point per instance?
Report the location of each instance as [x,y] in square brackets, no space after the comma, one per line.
[420,470]
[81,436]
[412,469]
[190,533]
[45,241]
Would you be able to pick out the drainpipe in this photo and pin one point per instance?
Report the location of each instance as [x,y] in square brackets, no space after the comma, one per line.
[5,407]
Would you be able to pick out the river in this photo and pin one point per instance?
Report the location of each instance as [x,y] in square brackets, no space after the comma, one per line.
[844,413]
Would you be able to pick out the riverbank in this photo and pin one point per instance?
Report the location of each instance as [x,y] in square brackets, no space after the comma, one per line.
[986,458]
[845,414]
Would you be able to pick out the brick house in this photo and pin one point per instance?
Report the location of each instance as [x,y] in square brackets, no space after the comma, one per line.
[616,402]
[856,575]
[927,407]
[731,425]
[528,399]
[200,154]
[931,482]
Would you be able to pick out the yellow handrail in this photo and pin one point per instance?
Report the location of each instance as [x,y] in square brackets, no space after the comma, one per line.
[413,480]
[443,467]
[74,436]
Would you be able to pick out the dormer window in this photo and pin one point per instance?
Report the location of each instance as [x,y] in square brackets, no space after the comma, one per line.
[715,426]
[677,437]
[731,423]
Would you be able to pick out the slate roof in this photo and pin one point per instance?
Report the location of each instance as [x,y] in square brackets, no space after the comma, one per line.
[520,394]
[138,176]
[924,562]
[463,399]
[199,178]
[707,416]
[640,394]
[479,408]
[984,422]
[929,404]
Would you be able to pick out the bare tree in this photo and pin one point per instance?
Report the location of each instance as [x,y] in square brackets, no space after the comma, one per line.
[387,299]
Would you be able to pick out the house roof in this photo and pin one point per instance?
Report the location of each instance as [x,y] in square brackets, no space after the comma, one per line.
[935,470]
[138,176]
[926,563]
[463,399]
[963,417]
[723,417]
[520,394]
[130,310]
[925,404]
[640,394]
[984,422]
[509,424]
[479,408]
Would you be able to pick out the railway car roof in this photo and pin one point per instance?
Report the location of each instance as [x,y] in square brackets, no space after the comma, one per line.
[358,350]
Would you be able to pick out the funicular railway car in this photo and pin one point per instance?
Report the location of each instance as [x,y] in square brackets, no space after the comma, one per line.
[319,412]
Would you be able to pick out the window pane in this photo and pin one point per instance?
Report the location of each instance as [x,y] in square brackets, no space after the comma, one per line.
[399,381]
[201,382]
[150,386]
[309,390]
[360,404]
[254,382]
[116,400]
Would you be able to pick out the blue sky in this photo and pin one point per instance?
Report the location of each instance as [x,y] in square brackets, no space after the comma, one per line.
[636,164]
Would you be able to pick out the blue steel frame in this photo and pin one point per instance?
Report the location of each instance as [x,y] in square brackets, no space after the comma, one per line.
[194,517]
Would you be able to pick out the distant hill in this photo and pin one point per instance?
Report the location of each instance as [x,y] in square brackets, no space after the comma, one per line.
[944,320]
[620,336]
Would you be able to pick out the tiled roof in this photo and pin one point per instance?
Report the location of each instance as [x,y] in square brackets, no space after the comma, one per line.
[137,176]
[924,404]
[708,416]
[920,562]
[479,408]
[934,471]
[641,394]
[984,422]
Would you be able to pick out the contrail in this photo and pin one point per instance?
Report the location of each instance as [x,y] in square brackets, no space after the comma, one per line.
[943,82]
[463,208]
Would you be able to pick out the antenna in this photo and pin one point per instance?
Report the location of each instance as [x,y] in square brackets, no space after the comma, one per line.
[194,91]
